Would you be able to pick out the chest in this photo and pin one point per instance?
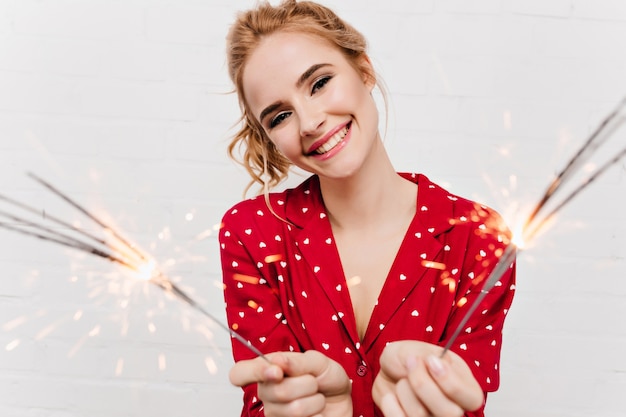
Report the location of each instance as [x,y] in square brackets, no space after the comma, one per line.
[366,262]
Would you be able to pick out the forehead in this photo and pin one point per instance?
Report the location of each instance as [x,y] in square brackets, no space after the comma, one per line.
[279,61]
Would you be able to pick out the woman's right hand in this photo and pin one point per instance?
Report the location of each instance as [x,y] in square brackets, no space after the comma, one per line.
[297,384]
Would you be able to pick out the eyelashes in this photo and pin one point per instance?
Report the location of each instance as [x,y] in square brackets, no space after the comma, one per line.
[278,119]
[317,86]
[320,83]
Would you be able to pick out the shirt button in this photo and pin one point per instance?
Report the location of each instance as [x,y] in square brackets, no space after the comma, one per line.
[361,370]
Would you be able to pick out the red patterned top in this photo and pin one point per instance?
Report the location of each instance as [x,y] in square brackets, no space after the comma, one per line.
[285,289]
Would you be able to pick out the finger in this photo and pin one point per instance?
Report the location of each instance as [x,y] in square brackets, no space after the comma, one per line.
[302,407]
[289,389]
[331,378]
[246,372]
[394,357]
[390,406]
[411,405]
[457,382]
[384,396]
[427,390]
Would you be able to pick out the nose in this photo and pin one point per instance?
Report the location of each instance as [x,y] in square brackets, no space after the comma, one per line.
[311,119]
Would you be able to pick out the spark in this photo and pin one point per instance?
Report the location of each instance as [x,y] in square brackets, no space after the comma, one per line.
[46,331]
[246,278]
[355,280]
[114,247]
[506,116]
[13,324]
[451,283]
[12,345]
[434,265]
[205,234]
[146,270]
[210,365]
[95,331]
[273,258]
[119,368]
[537,220]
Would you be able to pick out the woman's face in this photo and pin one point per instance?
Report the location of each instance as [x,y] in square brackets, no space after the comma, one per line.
[312,103]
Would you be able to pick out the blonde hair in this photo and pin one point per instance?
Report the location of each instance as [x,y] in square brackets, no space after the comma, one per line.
[265,164]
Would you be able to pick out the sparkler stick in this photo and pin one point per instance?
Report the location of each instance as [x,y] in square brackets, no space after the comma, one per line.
[68,243]
[504,263]
[157,278]
[529,234]
[591,145]
[56,220]
[167,285]
[88,214]
[534,223]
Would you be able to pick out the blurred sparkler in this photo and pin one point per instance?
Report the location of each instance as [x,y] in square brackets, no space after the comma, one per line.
[541,214]
[125,253]
[119,250]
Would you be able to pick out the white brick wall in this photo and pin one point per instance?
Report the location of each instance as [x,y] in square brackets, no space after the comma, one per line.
[121,105]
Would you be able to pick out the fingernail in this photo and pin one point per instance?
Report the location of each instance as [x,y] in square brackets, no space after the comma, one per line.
[435,366]
[272,372]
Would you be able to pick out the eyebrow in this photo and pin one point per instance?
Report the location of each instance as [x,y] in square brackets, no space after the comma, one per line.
[303,78]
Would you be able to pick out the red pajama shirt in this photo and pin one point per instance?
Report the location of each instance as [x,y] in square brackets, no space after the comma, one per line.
[285,289]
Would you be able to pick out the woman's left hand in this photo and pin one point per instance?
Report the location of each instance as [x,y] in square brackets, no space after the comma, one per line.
[414,381]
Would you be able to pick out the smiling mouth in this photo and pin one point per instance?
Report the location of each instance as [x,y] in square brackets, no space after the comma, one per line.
[335,140]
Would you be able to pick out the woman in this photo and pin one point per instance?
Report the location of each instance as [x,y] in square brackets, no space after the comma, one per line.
[351,282]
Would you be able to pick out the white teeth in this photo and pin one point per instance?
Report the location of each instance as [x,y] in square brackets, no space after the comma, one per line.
[333,141]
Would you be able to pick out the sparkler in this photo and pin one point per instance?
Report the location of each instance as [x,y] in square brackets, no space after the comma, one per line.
[535,223]
[130,256]
[123,253]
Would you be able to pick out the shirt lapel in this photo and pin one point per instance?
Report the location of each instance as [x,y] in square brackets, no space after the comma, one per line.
[421,252]
[313,235]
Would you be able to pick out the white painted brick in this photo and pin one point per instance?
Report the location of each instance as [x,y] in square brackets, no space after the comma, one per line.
[66,18]
[461,76]
[186,144]
[474,35]
[134,100]
[123,107]
[599,9]
[53,56]
[18,354]
[408,78]
[162,61]
[33,93]
[410,113]
[194,25]
[5,23]
[472,6]
[20,284]
[553,8]
[408,6]
[579,38]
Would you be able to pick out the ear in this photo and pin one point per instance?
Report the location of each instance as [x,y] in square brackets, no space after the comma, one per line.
[367,71]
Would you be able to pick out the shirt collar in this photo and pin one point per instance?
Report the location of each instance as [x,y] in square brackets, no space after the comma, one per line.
[435,206]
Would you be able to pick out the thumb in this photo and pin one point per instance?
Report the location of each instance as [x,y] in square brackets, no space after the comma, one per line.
[256,370]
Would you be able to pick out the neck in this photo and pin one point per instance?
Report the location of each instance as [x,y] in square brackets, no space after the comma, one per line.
[374,196]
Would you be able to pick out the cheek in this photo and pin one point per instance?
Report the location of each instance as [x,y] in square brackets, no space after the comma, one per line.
[286,141]
[352,97]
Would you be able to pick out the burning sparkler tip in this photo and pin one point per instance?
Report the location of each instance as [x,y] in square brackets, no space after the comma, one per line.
[148,270]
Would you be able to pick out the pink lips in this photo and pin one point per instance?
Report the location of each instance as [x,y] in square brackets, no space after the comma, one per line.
[334,140]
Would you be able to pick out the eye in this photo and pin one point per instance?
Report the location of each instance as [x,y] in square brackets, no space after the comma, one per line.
[278,119]
[320,83]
